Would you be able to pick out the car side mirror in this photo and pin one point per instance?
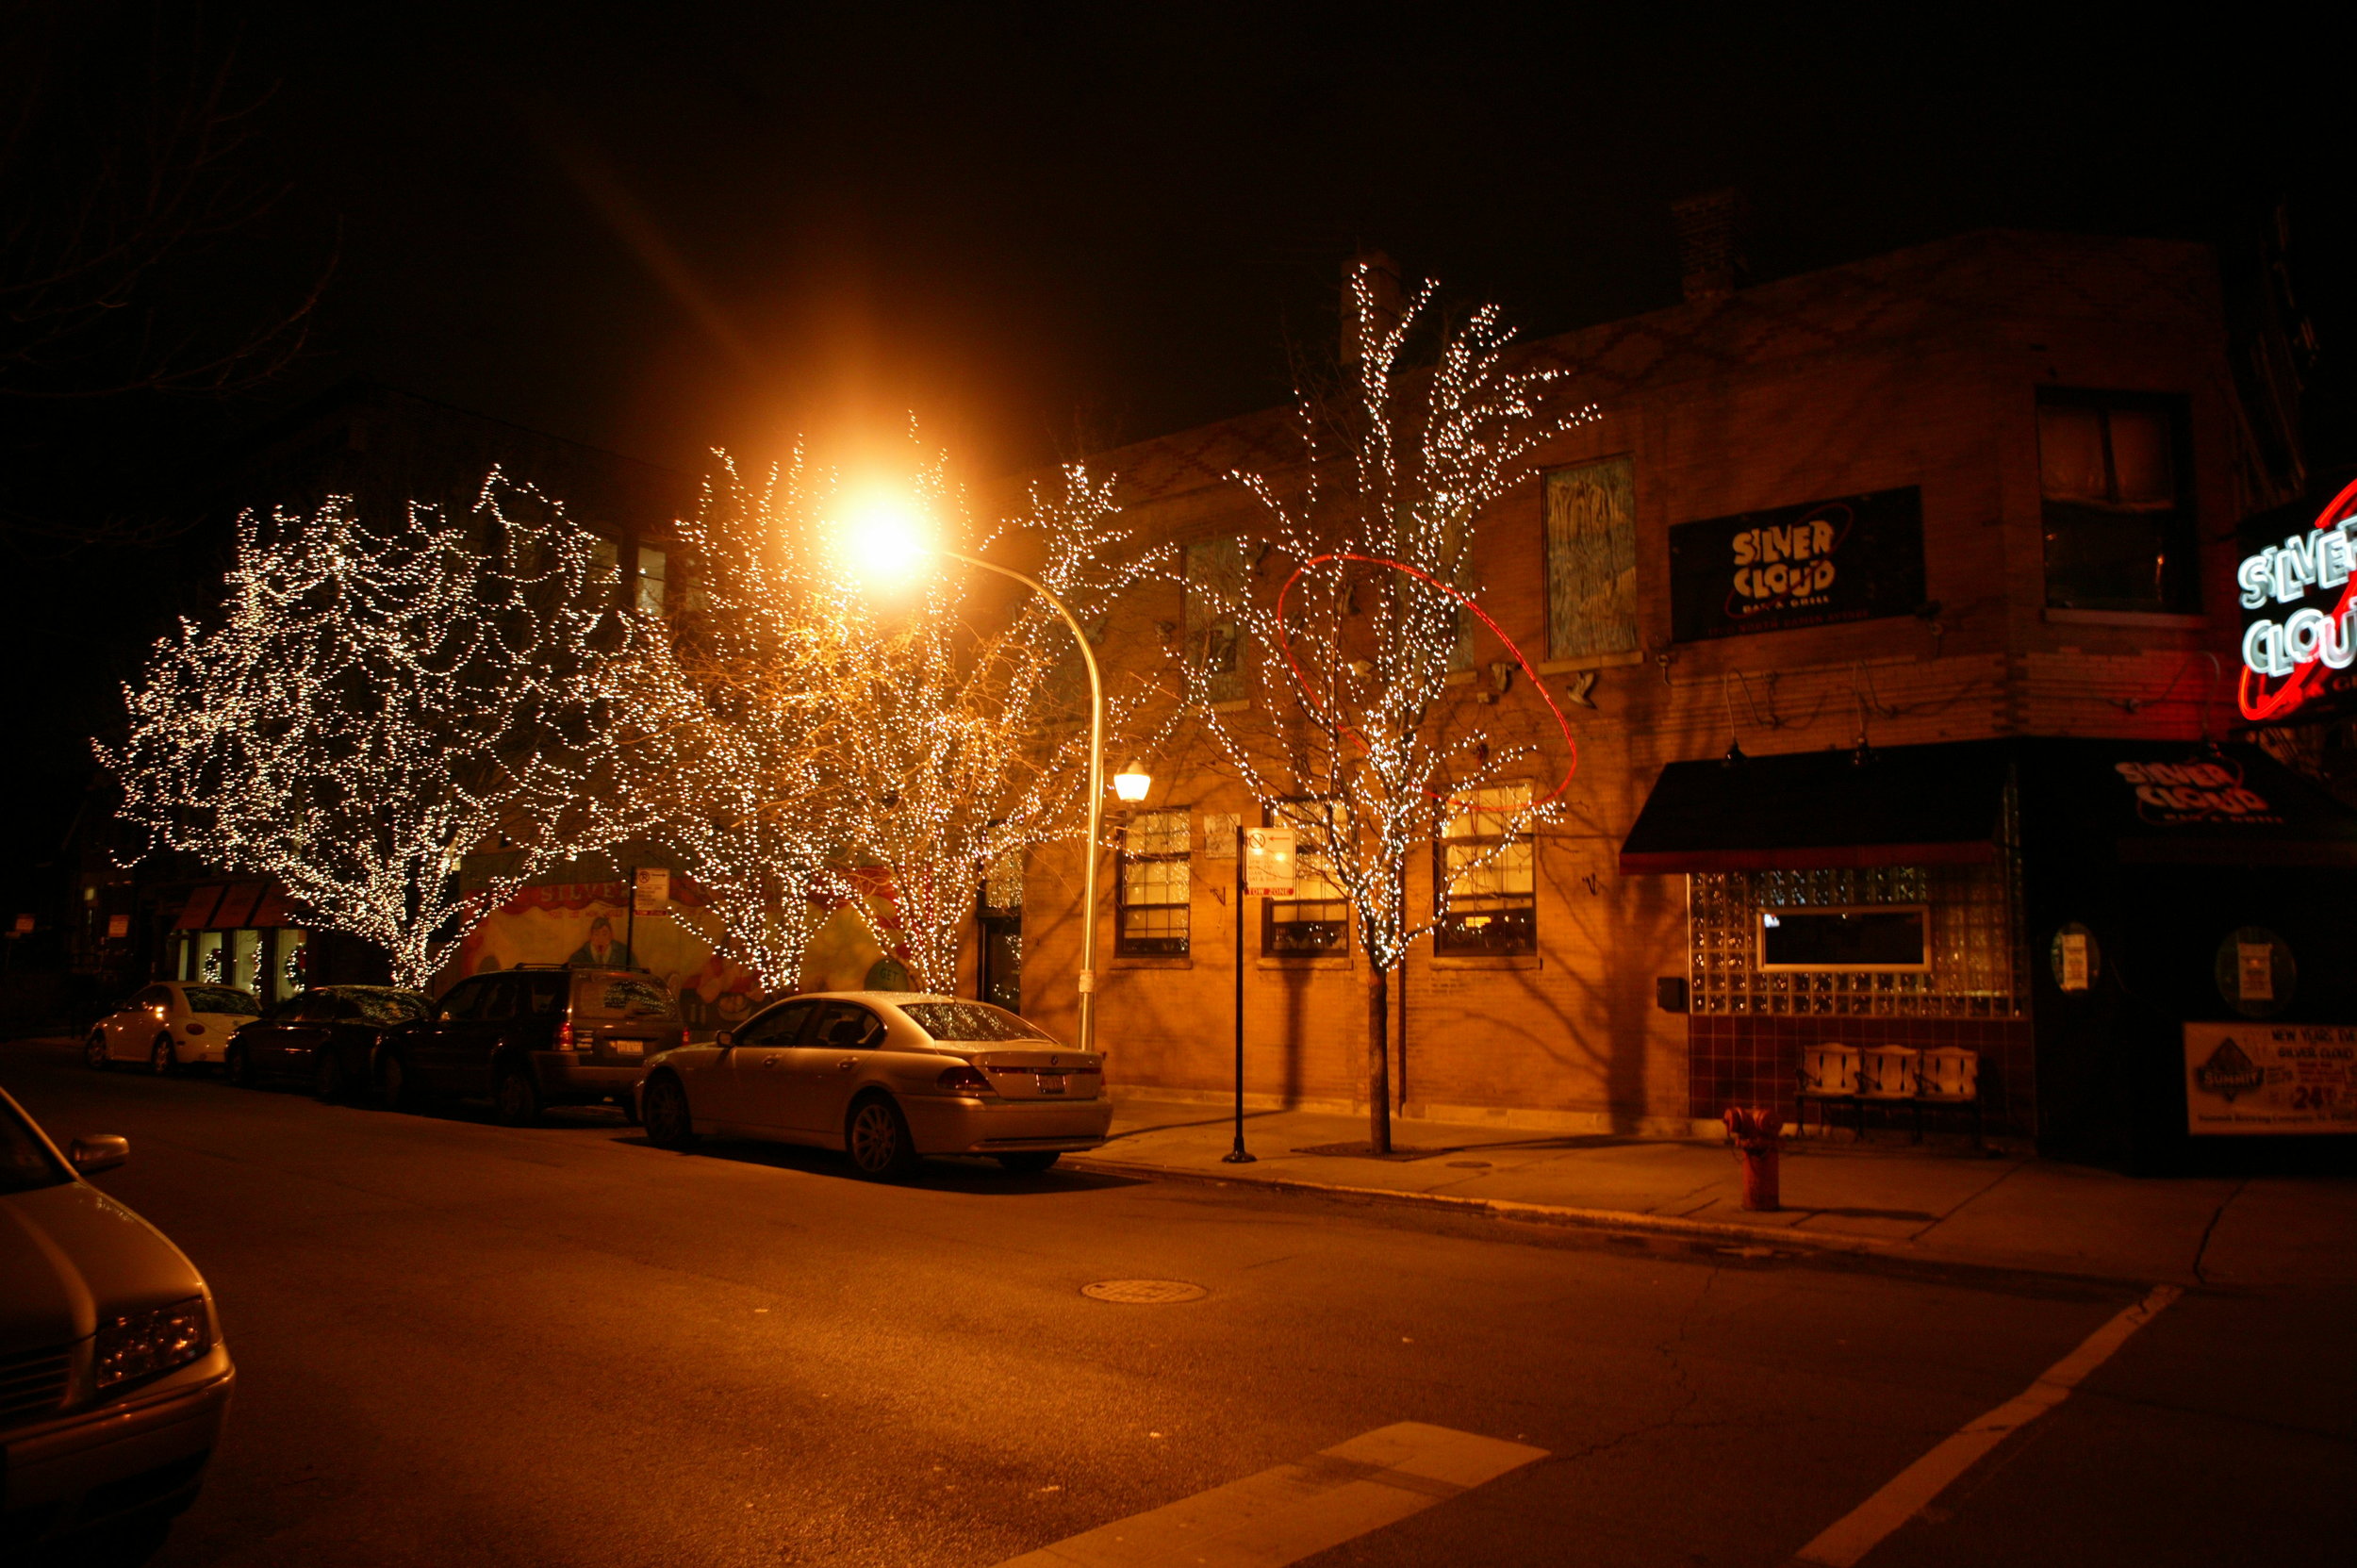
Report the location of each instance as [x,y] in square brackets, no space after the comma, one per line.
[99,1151]
[726,1038]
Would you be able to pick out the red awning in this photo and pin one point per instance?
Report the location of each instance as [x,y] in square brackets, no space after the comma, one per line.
[272,910]
[237,905]
[197,914]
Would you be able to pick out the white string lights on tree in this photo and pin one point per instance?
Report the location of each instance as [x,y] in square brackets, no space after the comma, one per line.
[731,712]
[1357,739]
[375,702]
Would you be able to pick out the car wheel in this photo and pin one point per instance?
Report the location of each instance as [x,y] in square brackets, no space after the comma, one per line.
[237,1066]
[669,1124]
[94,1055]
[393,1089]
[516,1102]
[1031,1162]
[877,1137]
[160,1058]
[330,1083]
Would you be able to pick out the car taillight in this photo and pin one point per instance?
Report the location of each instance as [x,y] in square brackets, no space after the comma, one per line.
[685,1040]
[964,1080]
[564,1035]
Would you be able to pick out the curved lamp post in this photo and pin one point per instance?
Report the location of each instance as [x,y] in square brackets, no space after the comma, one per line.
[888,543]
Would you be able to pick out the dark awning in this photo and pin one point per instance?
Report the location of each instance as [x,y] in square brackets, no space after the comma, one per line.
[237,905]
[1911,805]
[2182,803]
[198,910]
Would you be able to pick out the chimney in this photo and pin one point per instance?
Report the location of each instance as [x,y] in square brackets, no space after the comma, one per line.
[1710,243]
[1377,276]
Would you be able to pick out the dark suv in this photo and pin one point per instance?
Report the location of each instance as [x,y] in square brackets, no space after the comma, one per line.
[533,1037]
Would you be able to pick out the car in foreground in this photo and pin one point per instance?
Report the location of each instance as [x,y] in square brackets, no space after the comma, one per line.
[887,1077]
[170,1024]
[537,1035]
[328,1037]
[113,1379]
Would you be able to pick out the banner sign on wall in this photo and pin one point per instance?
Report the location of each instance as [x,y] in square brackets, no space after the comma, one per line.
[1854,558]
[2271,1078]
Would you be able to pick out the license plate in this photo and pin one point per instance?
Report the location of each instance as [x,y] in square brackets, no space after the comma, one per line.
[1051,1083]
[628,1047]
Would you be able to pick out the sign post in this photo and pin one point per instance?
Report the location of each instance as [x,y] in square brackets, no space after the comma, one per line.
[1265,864]
[655,883]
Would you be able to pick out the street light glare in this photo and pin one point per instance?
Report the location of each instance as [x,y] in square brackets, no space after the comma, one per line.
[883,539]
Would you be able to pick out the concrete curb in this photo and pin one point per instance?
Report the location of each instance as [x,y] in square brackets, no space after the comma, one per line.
[1503,1208]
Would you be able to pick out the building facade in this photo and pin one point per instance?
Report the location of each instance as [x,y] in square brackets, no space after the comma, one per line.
[1910,514]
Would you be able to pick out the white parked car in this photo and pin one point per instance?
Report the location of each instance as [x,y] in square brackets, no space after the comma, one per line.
[888,1076]
[113,1379]
[169,1025]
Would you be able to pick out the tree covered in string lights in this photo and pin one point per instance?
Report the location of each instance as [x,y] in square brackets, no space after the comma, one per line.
[1357,736]
[968,739]
[732,713]
[373,700]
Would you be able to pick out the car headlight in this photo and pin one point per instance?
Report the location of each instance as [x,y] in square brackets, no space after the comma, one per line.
[139,1345]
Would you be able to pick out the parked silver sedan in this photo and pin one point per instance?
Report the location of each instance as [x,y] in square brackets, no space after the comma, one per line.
[113,1379]
[888,1076]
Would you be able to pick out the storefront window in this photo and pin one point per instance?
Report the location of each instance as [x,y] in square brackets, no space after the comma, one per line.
[1976,968]
[1489,870]
[290,965]
[209,958]
[245,960]
[1155,874]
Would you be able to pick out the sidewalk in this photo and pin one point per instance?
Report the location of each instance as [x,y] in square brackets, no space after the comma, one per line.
[1887,1196]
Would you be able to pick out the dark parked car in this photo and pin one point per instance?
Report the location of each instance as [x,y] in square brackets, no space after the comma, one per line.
[534,1036]
[327,1037]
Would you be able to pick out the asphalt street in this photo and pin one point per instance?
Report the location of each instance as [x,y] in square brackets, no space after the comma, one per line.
[462,1344]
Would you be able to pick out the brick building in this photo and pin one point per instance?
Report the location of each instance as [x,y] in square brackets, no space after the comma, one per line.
[1970,497]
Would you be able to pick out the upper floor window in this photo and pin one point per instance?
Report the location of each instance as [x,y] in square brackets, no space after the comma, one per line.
[2118,515]
[1488,874]
[1216,581]
[1592,559]
[651,567]
[1316,919]
[1154,885]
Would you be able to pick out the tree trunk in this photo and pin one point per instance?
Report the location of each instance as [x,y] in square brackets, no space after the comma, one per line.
[1378,1061]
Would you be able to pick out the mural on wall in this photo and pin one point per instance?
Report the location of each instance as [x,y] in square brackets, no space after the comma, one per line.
[577,923]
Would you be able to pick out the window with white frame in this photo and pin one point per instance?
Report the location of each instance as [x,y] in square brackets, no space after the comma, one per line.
[1485,868]
[1151,913]
[1316,921]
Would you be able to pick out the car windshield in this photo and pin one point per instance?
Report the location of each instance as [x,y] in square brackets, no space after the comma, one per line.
[387,1008]
[622,997]
[969,1020]
[219,999]
[25,1163]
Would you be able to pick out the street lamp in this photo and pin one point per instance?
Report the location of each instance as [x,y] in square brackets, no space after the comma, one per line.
[1132,782]
[884,541]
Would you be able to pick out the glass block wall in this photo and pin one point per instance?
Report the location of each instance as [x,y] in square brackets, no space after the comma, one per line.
[1979,963]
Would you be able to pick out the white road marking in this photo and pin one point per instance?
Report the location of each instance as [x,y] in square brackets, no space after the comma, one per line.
[1912,1489]
[1296,1510]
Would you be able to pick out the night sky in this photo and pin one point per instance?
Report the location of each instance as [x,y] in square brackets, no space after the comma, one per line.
[1046,228]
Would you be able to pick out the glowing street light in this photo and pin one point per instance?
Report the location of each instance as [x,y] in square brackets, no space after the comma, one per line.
[884,541]
[1132,782]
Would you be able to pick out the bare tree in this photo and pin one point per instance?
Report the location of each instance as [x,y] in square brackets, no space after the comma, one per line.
[730,716]
[1356,738]
[373,702]
[964,737]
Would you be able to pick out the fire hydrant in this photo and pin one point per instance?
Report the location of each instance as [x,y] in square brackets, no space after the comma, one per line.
[1756,1133]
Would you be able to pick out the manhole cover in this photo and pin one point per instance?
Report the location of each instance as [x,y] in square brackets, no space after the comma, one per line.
[1144,1293]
